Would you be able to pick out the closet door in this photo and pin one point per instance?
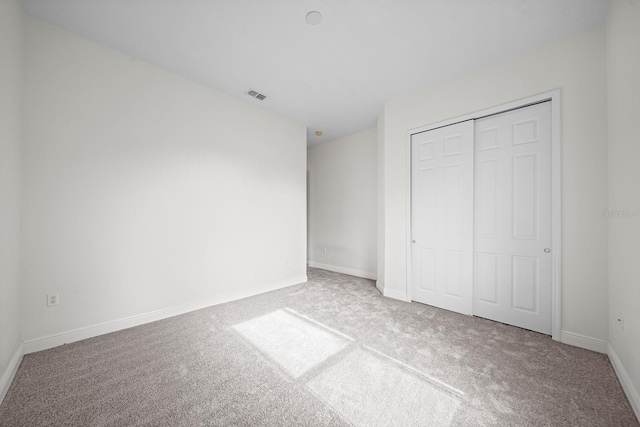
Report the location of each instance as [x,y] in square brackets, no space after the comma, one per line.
[512,218]
[442,217]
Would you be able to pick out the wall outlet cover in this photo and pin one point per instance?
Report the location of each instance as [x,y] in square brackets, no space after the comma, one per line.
[52,299]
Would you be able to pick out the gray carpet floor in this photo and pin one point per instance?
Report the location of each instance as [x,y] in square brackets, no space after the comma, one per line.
[329,352]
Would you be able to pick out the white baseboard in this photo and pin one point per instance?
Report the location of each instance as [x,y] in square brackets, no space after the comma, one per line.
[57,339]
[343,270]
[625,380]
[395,294]
[10,372]
[583,341]
[391,293]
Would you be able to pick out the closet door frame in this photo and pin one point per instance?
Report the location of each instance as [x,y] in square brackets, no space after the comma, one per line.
[556,192]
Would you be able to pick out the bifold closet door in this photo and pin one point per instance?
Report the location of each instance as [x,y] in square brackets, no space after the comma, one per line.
[512,218]
[442,217]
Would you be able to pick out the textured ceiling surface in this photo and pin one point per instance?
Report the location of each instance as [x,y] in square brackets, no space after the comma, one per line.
[335,76]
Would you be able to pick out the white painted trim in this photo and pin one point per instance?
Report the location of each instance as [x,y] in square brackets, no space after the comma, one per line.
[549,95]
[583,341]
[556,214]
[625,381]
[408,167]
[555,96]
[10,373]
[57,339]
[343,270]
[392,293]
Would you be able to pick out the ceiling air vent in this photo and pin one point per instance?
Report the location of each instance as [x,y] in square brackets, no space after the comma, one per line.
[256,95]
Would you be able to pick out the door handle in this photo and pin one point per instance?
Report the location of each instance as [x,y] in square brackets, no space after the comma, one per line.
[547,250]
[413,241]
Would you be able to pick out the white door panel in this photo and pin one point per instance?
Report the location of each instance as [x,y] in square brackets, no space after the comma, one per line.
[512,222]
[442,217]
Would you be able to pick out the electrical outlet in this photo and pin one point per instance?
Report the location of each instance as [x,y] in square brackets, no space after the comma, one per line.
[52,299]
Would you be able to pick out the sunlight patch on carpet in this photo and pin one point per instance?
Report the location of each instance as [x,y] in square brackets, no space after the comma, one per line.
[297,345]
[368,390]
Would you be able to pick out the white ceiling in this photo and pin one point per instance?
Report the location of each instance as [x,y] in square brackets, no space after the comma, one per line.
[336,76]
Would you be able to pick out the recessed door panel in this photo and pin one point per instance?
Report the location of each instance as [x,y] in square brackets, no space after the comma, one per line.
[453,200]
[426,150]
[525,196]
[453,145]
[426,206]
[487,277]
[453,273]
[525,131]
[486,210]
[487,139]
[525,283]
[427,269]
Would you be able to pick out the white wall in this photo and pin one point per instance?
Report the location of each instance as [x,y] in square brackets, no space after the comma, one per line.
[343,203]
[623,60]
[11,86]
[145,191]
[576,64]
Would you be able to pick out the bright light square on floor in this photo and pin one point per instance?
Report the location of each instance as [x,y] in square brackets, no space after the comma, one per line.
[368,390]
[294,343]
